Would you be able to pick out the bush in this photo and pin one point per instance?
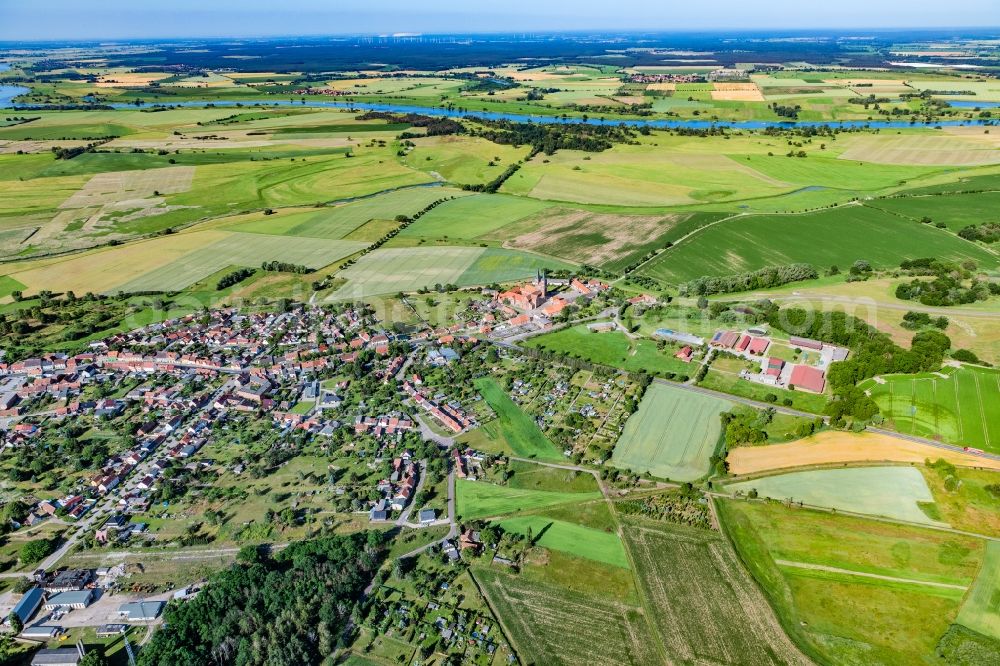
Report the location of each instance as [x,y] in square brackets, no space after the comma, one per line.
[36,551]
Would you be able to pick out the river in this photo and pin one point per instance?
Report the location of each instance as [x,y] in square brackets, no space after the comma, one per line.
[438,112]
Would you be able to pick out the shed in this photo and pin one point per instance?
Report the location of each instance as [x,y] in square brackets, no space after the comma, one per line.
[42,632]
[428,515]
[141,611]
[76,599]
[64,656]
[808,378]
[28,604]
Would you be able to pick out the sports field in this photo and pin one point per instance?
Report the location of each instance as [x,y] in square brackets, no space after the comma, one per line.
[838,237]
[959,406]
[836,447]
[480,499]
[701,601]
[981,610]
[390,270]
[520,431]
[577,540]
[893,492]
[852,590]
[673,435]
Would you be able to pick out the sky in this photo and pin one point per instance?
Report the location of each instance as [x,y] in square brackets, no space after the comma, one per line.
[123,19]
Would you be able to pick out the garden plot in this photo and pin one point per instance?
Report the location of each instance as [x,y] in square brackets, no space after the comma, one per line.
[549,624]
[892,492]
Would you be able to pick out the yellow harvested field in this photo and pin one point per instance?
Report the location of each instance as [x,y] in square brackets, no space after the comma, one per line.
[662,86]
[129,79]
[104,270]
[630,99]
[30,146]
[737,92]
[832,447]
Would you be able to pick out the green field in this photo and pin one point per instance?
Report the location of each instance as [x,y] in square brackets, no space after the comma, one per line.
[241,250]
[520,431]
[958,406]
[703,604]
[730,383]
[673,435]
[570,538]
[981,610]
[955,210]
[479,499]
[479,215]
[833,237]
[390,270]
[338,221]
[892,492]
[809,562]
[612,348]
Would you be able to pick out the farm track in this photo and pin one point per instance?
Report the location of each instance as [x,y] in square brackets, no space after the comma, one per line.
[864,574]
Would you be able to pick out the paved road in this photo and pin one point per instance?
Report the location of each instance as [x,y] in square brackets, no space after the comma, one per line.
[453,532]
[405,515]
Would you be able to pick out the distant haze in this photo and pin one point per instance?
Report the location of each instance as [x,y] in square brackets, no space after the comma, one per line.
[124,19]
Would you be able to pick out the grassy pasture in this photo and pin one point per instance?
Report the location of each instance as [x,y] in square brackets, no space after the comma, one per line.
[959,406]
[832,237]
[840,618]
[673,435]
[955,210]
[568,537]
[462,159]
[893,492]
[550,624]
[612,348]
[520,431]
[981,610]
[700,600]
[479,499]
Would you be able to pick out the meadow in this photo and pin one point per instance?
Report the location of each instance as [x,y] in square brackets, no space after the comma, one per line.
[955,210]
[479,499]
[521,432]
[981,610]
[958,405]
[808,561]
[585,542]
[700,600]
[673,435]
[836,237]
[614,349]
[892,492]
